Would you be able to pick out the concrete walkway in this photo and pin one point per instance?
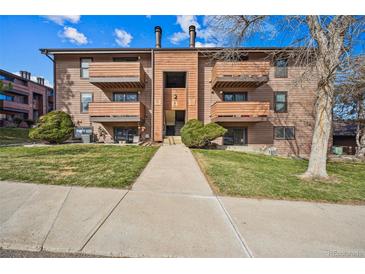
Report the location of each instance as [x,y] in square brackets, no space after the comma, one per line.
[172,212]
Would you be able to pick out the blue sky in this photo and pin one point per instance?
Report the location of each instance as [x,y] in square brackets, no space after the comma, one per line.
[23,36]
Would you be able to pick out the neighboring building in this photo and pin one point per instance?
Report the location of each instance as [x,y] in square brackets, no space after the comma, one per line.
[344,135]
[149,93]
[26,100]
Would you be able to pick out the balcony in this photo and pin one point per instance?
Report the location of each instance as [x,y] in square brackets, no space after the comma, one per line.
[16,88]
[116,112]
[11,106]
[114,75]
[240,111]
[240,74]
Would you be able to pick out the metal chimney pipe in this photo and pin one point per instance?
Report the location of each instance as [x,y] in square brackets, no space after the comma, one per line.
[40,80]
[158,34]
[192,34]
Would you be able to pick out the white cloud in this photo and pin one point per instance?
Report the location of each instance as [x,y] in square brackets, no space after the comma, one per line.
[74,36]
[62,19]
[204,32]
[148,16]
[177,37]
[184,21]
[205,45]
[122,38]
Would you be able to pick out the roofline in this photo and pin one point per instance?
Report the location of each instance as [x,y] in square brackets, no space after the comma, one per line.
[23,79]
[54,51]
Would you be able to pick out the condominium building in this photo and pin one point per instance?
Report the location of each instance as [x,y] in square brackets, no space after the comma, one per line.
[134,94]
[24,98]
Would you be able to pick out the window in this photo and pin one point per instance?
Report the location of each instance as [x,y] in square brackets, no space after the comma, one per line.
[281,101]
[6,97]
[284,133]
[281,68]
[86,98]
[175,79]
[84,67]
[125,59]
[82,130]
[235,96]
[125,96]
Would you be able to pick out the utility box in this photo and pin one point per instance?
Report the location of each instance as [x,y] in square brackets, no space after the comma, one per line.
[337,150]
[86,138]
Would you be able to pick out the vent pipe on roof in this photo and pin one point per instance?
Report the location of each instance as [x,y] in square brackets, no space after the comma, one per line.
[40,80]
[192,34]
[158,34]
[23,74]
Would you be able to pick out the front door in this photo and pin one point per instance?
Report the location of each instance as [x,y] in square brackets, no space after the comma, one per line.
[235,136]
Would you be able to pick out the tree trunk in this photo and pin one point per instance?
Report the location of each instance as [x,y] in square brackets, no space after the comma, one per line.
[360,132]
[321,134]
[360,141]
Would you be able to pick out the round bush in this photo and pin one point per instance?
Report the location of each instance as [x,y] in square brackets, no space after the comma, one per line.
[54,127]
[195,134]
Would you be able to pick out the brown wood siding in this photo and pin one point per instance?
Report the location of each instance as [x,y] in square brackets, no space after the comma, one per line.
[238,109]
[117,109]
[175,61]
[257,68]
[301,99]
[69,86]
[115,69]
[170,103]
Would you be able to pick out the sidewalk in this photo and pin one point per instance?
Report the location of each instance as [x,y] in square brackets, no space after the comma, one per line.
[172,212]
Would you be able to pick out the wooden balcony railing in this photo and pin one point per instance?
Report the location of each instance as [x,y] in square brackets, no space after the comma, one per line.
[240,111]
[14,106]
[175,98]
[116,111]
[22,89]
[108,75]
[240,74]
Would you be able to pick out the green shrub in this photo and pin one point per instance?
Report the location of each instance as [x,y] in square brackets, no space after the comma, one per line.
[190,125]
[54,127]
[195,134]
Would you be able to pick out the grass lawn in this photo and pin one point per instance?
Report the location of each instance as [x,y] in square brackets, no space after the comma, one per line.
[250,175]
[14,136]
[85,165]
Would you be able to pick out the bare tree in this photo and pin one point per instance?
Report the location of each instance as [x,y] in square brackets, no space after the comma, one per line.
[323,43]
[350,100]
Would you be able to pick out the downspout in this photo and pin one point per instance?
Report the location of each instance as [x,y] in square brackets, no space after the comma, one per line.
[153,95]
[45,52]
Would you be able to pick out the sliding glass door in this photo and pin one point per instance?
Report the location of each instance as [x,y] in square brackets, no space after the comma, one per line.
[235,136]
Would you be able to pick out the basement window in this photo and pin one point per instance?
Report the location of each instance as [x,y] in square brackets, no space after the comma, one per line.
[284,133]
[175,79]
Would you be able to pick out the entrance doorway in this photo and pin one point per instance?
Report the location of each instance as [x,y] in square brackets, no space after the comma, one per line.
[174,121]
